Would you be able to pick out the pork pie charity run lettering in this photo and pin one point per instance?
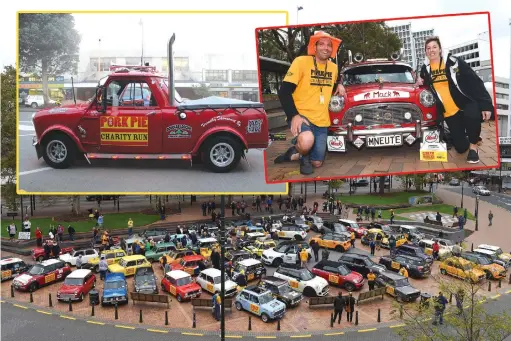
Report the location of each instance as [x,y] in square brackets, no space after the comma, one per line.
[320,78]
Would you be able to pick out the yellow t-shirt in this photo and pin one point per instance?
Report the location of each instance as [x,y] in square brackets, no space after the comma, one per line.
[310,84]
[441,86]
[371,277]
[304,255]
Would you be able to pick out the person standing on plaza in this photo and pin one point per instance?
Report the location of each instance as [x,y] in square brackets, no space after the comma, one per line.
[338,307]
[392,216]
[352,239]
[465,214]
[38,236]
[130,227]
[71,231]
[392,244]
[304,257]
[460,297]
[325,254]
[100,220]
[436,250]
[27,225]
[372,245]
[403,272]
[490,218]
[440,304]
[371,277]
[60,233]
[79,262]
[315,248]
[438,217]
[305,95]
[350,307]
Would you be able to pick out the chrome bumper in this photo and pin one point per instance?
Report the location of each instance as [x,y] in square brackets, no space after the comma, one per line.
[350,133]
[37,146]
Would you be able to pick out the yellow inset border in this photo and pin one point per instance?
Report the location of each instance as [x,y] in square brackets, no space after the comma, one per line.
[21,192]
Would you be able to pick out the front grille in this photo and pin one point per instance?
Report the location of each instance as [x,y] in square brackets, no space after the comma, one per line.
[192,293]
[324,291]
[382,113]
[279,313]
[66,296]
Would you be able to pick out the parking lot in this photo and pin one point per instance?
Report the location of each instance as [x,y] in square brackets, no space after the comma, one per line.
[299,319]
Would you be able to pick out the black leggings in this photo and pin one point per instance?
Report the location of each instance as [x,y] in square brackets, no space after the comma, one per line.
[465,123]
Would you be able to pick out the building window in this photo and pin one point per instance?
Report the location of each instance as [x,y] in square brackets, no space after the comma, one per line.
[505,150]
[476,45]
[104,63]
[244,75]
[216,75]
[502,106]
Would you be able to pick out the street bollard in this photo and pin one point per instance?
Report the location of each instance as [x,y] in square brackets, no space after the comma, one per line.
[508,283]
[166,318]
[116,312]
[70,306]
[331,320]
[50,303]
[92,311]
[450,298]
[401,311]
[194,323]
[356,318]
[31,298]
[379,316]
[12,288]
[489,286]
[250,323]
[472,248]
[278,324]
[141,320]
[500,283]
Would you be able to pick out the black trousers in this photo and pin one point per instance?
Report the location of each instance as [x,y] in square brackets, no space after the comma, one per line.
[349,315]
[371,285]
[465,127]
[338,313]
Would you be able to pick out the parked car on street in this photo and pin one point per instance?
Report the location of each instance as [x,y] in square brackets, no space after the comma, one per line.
[76,285]
[481,190]
[260,302]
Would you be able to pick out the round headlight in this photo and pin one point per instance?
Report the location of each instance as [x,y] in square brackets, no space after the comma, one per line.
[336,103]
[336,121]
[358,118]
[429,116]
[426,98]
[408,115]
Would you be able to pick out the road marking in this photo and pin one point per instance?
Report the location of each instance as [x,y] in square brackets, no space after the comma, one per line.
[25,121]
[495,297]
[96,322]
[68,317]
[508,292]
[233,336]
[333,334]
[397,326]
[192,334]
[157,331]
[34,171]
[467,306]
[2,301]
[482,301]
[26,128]
[24,135]
[43,312]
[266,337]
[20,306]
[124,327]
[367,330]
[299,336]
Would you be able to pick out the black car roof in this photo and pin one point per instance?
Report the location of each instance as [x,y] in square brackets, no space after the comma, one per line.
[391,275]
[274,280]
[255,289]
[419,259]
[355,255]
[144,271]
[329,263]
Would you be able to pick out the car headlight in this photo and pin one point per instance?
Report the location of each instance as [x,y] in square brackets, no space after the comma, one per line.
[358,118]
[336,103]
[426,98]
[408,115]
[335,121]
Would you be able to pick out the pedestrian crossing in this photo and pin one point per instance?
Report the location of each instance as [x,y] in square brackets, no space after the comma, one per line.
[446,220]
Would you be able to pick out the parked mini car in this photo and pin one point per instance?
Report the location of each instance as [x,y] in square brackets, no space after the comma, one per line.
[87,254]
[159,250]
[145,281]
[492,270]
[397,286]
[427,244]
[338,242]
[284,252]
[190,264]
[339,275]
[334,227]
[111,256]
[252,268]
[41,274]
[353,226]
[115,289]
[259,246]
[260,302]
[462,269]
[11,267]
[176,255]
[38,252]
[181,285]
[302,280]
[129,264]
[76,285]
[505,256]
[413,250]
[360,263]
[416,267]
[211,279]
[281,290]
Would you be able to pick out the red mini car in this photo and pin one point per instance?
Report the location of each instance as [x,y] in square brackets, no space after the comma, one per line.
[137,114]
[41,274]
[181,285]
[38,253]
[189,264]
[76,285]
[339,275]
[353,226]
[382,107]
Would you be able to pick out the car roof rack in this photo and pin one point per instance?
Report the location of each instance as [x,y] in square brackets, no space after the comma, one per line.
[128,68]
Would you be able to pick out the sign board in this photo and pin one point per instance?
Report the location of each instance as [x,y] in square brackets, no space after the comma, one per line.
[433,152]
[12,214]
[24,235]
[505,140]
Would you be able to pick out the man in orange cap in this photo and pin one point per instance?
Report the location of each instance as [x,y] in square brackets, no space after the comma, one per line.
[305,94]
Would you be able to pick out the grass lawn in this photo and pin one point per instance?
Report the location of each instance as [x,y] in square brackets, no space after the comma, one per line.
[376,199]
[442,208]
[111,221]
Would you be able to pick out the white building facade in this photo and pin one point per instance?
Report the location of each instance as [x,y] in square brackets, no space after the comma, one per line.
[413,43]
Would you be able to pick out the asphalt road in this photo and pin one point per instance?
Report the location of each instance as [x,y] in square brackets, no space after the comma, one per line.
[28,325]
[495,198]
[135,176]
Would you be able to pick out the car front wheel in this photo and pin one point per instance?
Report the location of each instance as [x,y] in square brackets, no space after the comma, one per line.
[59,151]
[239,306]
[265,318]
[221,154]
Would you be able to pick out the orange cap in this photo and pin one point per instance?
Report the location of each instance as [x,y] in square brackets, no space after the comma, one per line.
[311,49]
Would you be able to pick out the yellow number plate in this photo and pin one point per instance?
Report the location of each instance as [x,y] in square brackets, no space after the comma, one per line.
[429,251]
[254,308]
[390,291]
[282,234]
[130,271]
[172,290]
[210,287]
[293,284]
[190,270]
[49,278]
[333,279]
[6,274]
[395,265]
[250,277]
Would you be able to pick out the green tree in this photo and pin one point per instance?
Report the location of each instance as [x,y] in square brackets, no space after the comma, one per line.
[48,44]
[334,185]
[473,323]
[9,136]
[201,91]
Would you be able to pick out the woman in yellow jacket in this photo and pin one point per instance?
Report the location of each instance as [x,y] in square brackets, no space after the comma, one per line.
[403,272]
[304,257]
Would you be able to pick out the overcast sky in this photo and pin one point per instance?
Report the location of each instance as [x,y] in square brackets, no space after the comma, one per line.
[233,35]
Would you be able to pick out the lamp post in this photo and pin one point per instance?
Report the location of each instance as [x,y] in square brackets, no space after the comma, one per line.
[298,9]
[462,193]
[477,212]
[141,23]
[222,266]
